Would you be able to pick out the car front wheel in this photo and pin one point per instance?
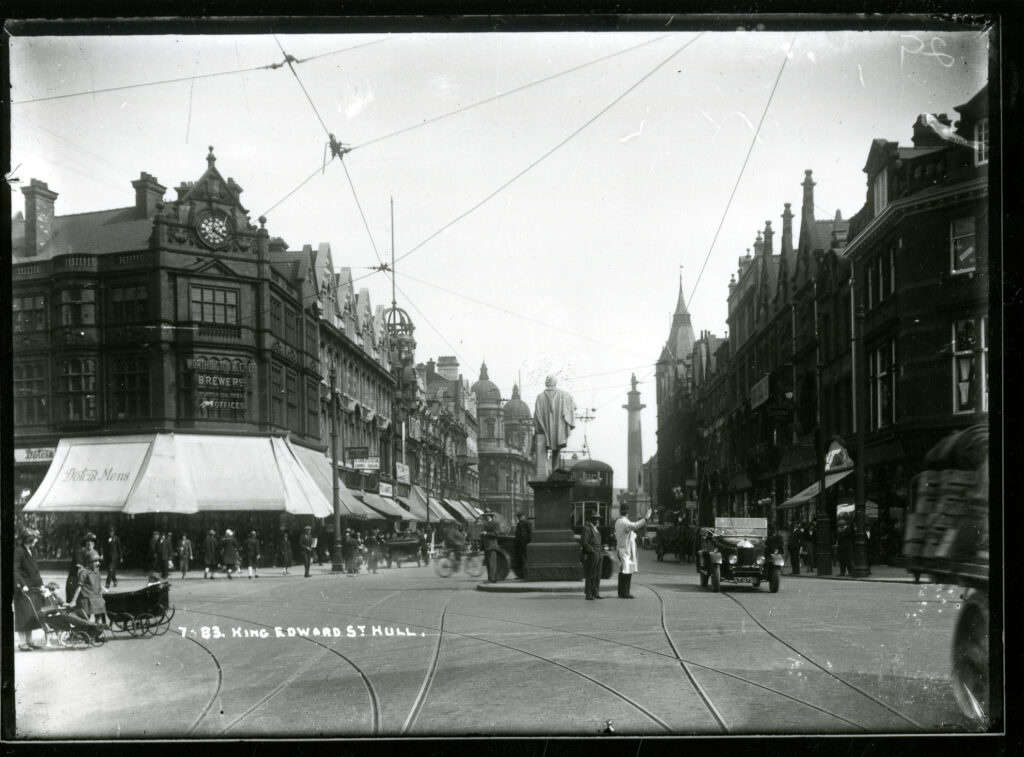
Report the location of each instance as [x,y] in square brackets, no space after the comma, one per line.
[774,579]
[716,577]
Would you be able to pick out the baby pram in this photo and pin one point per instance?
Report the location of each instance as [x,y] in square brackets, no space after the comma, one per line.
[145,612]
[63,625]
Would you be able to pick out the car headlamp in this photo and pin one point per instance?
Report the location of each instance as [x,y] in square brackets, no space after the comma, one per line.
[732,559]
[760,560]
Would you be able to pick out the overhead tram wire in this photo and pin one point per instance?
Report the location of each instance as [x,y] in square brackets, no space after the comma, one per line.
[432,326]
[523,317]
[362,215]
[512,91]
[459,110]
[289,59]
[269,66]
[750,150]
[561,144]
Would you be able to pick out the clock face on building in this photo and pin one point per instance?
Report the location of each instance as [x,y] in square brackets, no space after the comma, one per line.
[214,229]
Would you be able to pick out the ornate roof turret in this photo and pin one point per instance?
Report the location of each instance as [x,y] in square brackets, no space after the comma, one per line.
[485,390]
[515,408]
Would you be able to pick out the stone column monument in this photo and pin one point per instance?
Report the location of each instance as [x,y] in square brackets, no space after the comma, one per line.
[554,553]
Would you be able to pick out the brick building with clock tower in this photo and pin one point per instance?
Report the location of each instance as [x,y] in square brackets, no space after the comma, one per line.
[166,362]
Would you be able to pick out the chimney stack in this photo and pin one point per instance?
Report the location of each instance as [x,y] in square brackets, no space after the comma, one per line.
[925,135]
[448,367]
[769,250]
[278,245]
[39,201]
[148,192]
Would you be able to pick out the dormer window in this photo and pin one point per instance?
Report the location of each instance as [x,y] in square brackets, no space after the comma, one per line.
[881,191]
[981,142]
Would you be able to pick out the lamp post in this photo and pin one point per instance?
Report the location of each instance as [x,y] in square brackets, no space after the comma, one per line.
[337,566]
[860,567]
[823,549]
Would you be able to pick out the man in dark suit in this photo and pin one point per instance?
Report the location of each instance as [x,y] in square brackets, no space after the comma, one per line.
[489,540]
[306,547]
[524,534]
[590,541]
[113,555]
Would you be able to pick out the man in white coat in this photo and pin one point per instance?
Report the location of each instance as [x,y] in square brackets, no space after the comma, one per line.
[625,545]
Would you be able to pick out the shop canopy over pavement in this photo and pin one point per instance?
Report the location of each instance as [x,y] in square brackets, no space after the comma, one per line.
[177,473]
[384,506]
[417,510]
[319,467]
[812,491]
[437,513]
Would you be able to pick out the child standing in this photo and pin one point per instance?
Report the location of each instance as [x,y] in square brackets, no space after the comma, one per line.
[89,594]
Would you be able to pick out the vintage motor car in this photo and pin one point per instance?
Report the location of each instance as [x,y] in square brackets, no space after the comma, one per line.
[735,550]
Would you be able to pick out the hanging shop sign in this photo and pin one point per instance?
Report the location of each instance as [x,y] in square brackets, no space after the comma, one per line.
[402,473]
[366,463]
[386,490]
[759,393]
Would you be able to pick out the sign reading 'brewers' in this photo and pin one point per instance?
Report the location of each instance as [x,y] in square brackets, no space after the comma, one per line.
[220,383]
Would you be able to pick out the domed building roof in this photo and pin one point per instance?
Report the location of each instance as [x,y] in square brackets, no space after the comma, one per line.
[485,390]
[591,465]
[515,408]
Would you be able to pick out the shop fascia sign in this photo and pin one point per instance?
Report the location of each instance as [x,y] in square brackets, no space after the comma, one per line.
[366,463]
[34,454]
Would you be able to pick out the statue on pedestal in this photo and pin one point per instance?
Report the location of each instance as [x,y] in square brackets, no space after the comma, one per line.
[554,417]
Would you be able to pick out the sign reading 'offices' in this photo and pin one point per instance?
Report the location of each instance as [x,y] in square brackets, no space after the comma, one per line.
[219,384]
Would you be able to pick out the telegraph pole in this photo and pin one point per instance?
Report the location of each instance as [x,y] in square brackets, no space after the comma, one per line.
[337,566]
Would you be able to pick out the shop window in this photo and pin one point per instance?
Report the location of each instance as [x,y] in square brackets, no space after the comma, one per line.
[981,142]
[29,313]
[883,385]
[78,307]
[30,393]
[77,389]
[961,244]
[130,395]
[128,304]
[213,305]
[970,366]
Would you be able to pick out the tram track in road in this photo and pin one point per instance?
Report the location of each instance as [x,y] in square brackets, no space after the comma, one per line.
[917,726]
[215,697]
[375,707]
[688,667]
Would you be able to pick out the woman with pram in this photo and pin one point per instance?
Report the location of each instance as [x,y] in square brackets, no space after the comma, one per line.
[89,594]
[27,582]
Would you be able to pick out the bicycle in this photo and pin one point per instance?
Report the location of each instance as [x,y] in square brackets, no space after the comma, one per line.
[472,563]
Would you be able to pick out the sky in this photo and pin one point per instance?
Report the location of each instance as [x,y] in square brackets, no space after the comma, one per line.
[550,190]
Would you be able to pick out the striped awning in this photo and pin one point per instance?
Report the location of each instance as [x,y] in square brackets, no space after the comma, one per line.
[812,491]
[384,505]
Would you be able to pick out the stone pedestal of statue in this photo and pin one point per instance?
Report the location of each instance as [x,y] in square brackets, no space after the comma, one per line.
[554,553]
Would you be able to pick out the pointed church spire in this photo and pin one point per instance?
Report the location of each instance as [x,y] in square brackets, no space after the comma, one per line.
[681,302]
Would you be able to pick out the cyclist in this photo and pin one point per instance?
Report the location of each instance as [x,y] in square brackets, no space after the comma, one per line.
[455,540]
